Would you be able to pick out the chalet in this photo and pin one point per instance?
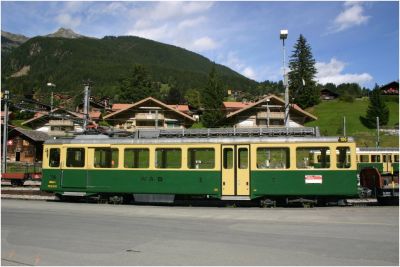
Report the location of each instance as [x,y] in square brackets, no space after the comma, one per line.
[326,94]
[149,113]
[268,112]
[390,88]
[58,123]
[25,145]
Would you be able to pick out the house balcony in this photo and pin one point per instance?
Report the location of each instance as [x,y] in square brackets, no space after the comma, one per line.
[271,115]
[61,123]
[147,116]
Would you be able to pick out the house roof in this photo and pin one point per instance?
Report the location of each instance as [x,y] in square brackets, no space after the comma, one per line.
[119,106]
[181,108]
[235,105]
[144,101]
[94,115]
[329,92]
[391,88]
[36,136]
[277,99]
[42,115]
[394,84]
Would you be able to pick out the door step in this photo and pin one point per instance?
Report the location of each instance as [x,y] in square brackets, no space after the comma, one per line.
[75,194]
[235,198]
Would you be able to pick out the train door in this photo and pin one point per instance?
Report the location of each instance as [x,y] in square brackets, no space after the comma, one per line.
[235,170]
[387,163]
[73,171]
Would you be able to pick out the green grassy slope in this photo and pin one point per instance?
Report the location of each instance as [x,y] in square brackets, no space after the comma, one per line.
[330,121]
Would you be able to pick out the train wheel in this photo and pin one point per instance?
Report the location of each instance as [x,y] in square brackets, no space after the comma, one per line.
[116,200]
[267,203]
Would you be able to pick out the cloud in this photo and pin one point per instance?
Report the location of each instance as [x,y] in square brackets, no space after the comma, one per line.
[352,15]
[203,44]
[232,61]
[331,72]
[68,21]
[249,73]
[177,23]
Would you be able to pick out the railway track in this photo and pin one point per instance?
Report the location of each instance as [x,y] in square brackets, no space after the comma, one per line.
[31,191]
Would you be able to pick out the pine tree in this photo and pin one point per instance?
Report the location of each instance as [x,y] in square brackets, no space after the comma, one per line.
[138,86]
[376,108]
[302,87]
[212,99]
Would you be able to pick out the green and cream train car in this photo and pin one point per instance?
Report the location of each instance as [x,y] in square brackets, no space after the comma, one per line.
[384,159]
[226,168]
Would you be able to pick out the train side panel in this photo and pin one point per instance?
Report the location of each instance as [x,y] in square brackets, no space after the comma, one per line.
[304,183]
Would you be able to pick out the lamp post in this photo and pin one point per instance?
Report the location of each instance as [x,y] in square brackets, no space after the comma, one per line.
[51,99]
[5,132]
[283,36]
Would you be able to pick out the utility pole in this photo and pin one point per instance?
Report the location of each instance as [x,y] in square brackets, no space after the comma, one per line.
[377,132]
[283,35]
[86,104]
[5,132]
[344,125]
[51,101]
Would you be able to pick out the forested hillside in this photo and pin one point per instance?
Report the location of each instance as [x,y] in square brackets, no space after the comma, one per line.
[106,61]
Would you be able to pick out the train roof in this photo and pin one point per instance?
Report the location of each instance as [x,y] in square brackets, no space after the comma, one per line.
[368,150]
[104,139]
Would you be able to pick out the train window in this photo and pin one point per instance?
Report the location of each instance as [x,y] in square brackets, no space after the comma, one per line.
[243,158]
[168,158]
[201,158]
[375,158]
[54,159]
[75,157]
[105,157]
[364,158]
[228,158]
[136,158]
[273,158]
[396,158]
[312,157]
[342,157]
[387,158]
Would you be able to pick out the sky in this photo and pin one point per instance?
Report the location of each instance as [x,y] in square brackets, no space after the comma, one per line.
[350,41]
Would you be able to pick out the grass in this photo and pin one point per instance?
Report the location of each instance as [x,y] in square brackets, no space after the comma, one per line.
[330,121]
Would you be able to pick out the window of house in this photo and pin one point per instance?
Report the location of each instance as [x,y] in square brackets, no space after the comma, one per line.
[307,157]
[75,157]
[105,157]
[396,158]
[343,157]
[201,158]
[54,158]
[168,158]
[273,158]
[136,158]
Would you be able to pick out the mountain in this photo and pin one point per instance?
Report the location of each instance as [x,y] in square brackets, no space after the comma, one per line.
[66,33]
[68,61]
[10,40]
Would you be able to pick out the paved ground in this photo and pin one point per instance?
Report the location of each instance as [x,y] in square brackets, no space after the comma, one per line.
[53,233]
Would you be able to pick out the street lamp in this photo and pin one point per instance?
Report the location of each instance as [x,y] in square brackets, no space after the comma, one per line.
[283,36]
[51,99]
